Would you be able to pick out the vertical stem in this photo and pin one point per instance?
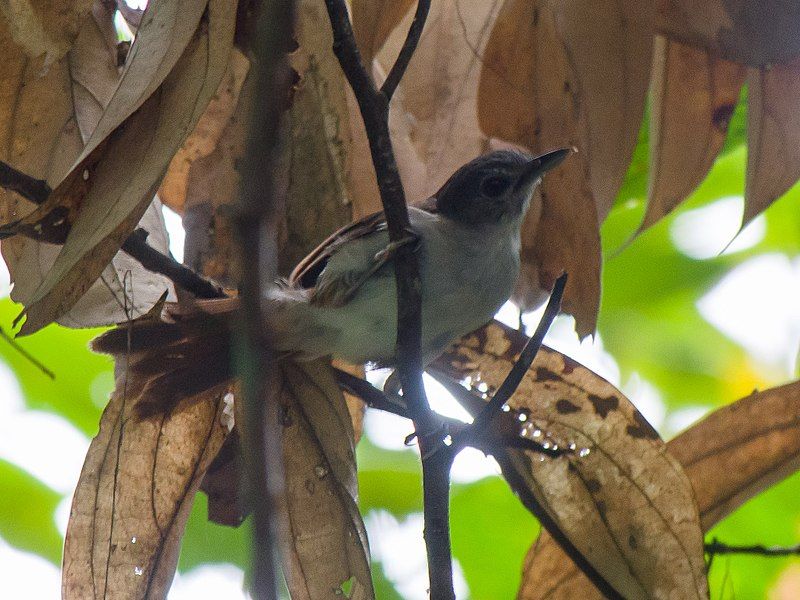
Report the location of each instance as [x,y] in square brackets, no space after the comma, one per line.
[258,413]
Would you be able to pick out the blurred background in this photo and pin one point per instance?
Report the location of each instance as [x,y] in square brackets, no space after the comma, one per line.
[692,317]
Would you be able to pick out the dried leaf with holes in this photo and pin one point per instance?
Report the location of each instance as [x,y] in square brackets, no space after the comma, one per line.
[773,136]
[42,120]
[618,496]
[329,547]
[528,95]
[611,51]
[122,165]
[694,95]
[134,496]
[758,433]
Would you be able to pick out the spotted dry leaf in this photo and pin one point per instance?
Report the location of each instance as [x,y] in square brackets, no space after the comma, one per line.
[693,98]
[759,434]
[118,172]
[329,550]
[619,496]
[773,136]
[752,32]
[134,495]
[528,95]
[45,115]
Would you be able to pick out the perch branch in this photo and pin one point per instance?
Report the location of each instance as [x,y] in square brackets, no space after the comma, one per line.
[260,203]
[37,191]
[374,107]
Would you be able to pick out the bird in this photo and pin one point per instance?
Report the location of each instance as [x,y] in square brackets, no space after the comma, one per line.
[341,299]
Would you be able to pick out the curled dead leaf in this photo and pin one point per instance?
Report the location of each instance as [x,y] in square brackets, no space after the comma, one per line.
[207,133]
[618,496]
[528,95]
[329,545]
[694,95]
[122,165]
[134,496]
[758,434]
[43,118]
[609,46]
[373,21]
[773,136]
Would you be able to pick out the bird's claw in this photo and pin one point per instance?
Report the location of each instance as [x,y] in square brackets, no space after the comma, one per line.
[385,255]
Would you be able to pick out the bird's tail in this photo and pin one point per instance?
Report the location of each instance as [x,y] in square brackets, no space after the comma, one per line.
[170,359]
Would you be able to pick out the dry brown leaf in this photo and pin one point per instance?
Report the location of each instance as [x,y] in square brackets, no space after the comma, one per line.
[207,133]
[134,496]
[694,95]
[437,96]
[329,547]
[753,32]
[626,503]
[759,434]
[318,156]
[528,95]
[773,136]
[42,120]
[45,28]
[610,51]
[124,170]
[373,21]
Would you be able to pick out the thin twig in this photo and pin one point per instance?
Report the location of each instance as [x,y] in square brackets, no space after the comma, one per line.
[526,357]
[136,246]
[407,51]
[716,547]
[260,203]
[182,276]
[27,355]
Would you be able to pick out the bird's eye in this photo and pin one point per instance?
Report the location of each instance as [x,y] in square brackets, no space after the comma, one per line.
[494,186]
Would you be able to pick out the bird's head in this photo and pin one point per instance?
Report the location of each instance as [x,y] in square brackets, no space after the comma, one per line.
[494,188]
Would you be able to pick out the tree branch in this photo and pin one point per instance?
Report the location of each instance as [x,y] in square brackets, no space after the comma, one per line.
[716,547]
[374,107]
[136,246]
[260,202]
[407,51]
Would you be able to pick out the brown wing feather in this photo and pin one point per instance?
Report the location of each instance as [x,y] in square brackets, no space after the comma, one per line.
[307,271]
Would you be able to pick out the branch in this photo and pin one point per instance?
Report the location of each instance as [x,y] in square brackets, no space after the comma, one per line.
[407,51]
[526,357]
[374,107]
[37,191]
[717,547]
[260,203]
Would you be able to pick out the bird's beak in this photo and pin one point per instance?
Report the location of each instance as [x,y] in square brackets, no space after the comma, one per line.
[539,165]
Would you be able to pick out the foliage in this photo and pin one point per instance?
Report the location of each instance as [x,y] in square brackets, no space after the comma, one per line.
[649,319]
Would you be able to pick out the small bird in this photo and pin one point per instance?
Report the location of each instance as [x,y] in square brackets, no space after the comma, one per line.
[341,299]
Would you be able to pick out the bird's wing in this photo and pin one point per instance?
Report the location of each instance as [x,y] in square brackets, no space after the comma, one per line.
[308,270]
[333,283]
